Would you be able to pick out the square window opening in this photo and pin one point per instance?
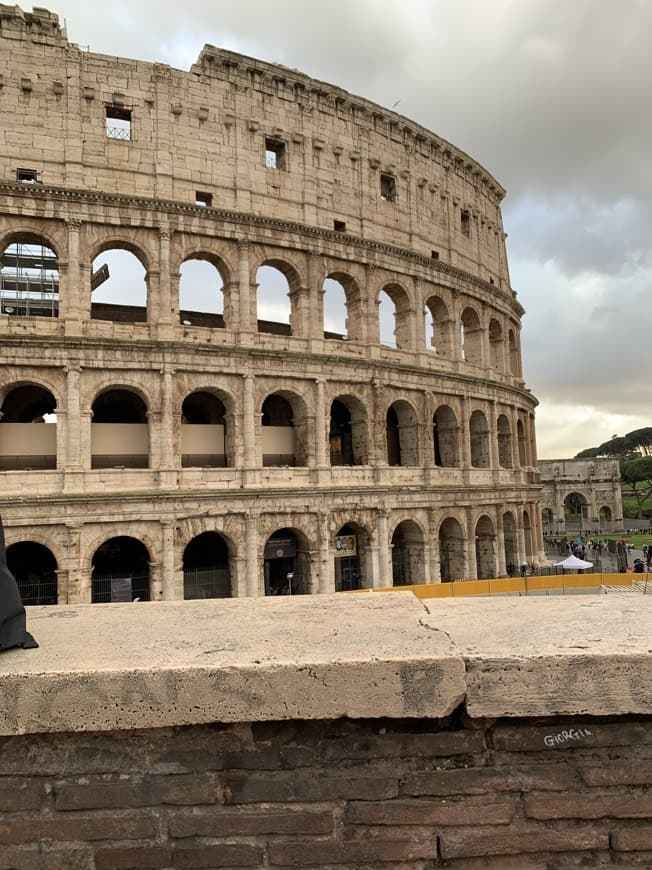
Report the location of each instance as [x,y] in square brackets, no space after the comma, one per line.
[465,222]
[275,154]
[339,226]
[27,176]
[388,187]
[118,122]
[203,199]
[434,255]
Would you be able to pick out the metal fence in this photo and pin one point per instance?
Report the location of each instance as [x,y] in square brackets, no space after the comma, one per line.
[206,583]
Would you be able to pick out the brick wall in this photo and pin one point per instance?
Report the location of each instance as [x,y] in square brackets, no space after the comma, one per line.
[385,793]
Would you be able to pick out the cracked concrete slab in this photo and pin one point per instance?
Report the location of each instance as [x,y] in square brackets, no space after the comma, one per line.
[147,665]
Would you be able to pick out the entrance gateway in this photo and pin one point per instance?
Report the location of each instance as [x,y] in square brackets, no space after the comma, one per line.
[286,566]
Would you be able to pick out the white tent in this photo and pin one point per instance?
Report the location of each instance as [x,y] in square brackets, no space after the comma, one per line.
[572,563]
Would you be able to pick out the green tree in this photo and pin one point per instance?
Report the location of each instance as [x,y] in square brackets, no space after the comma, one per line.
[640,440]
[637,478]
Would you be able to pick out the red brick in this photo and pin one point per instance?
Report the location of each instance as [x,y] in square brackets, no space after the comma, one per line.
[430,813]
[20,794]
[429,745]
[28,829]
[586,805]
[186,789]
[632,840]
[227,855]
[232,823]
[485,780]
[317,853]
[463,844]
[307,786]
[133,858]
[618,774]
[525,738]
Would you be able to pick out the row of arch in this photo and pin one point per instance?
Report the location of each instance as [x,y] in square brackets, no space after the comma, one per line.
[577,512]
[119,281]
[120,568]
[206,432]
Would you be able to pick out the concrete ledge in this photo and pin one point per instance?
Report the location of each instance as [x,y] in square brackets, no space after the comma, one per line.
[127,666]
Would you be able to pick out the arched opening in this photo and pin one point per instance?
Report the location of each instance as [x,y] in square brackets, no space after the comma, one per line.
[335,310]
[35,570]
[352,558]
[510,540]
[348,432]
[29,278]
[496,345]
[547,516]
[287,563]
[283,435]
[206,567]
[479,433]
[446,438]
[452,561]
[576,511]
[201,293]
[119,430]
[274,309]
[438,327]
[485,548]
[408,559]
[120,571]
[471,337]
[527,533]
[605,518]
[504,430]
[394,317]
[514,360]
[118,287]
[203,431]
[28,429]
[522,447]
[402,434]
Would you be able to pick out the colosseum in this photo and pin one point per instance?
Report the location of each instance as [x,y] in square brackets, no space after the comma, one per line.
[258,336]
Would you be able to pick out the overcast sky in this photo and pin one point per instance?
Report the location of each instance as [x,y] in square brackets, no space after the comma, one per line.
[551,96]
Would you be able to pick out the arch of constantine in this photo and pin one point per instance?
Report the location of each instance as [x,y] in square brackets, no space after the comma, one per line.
[581,494]
[336,403]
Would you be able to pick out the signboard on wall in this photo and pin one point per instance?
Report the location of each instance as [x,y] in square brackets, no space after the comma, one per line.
[345,546]
[280,548]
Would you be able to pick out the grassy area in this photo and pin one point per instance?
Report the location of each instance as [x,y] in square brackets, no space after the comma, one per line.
[636,540]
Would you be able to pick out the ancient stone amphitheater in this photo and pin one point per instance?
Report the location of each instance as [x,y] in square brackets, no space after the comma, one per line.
[258,336]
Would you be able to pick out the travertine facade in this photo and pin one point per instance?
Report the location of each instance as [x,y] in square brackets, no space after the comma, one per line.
[581,494]
[364,464]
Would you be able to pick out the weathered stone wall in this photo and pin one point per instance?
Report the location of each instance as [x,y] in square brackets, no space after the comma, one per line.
[206,130]
[595,481]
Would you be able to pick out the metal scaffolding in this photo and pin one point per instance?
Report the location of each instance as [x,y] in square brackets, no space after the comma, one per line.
[29,280]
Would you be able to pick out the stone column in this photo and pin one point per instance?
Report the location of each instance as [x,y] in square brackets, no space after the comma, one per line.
[320,426]
[154,433]
[72,455]
[85,438]
[493,436]
[168,453]
[500,543]
[378,452]
[314,300]
[155,581]
[385,577]
[253,583]
[326,567]
[371,307]
[250,459]
[164,307]
[471,562]
[419,319]
[466,434]
[171,587]
[515,450]
[520,535]
[71,293]
[246,291]
[74,592]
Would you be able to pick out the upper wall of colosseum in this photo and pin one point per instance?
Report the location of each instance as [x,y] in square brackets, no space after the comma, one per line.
[239,134]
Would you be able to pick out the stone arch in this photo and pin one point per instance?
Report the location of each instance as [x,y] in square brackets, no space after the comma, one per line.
[28,427]
[207,437]
[547,516]
[34,568]
[439,327]
[576,508]
[348,431]
[510,543]
[285,430]
[452,557]
[123,295]
[471,336]
[120,570]
[514,355]
[479,435]
[350,322]
[496,345]
[446,438]
[206,565]
[605,515]
[401,434]
[29,275]
[204,281]
[287,562]
[352,557]
[522,444]
[485,548]
[401,315]
[529,538]
[408,554]
[504,434]
[120,429]
[283,281]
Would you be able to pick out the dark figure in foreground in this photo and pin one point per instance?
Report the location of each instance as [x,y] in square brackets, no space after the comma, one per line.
[12,613]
